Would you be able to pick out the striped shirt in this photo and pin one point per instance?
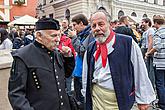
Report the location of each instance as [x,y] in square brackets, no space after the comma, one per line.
[159,45]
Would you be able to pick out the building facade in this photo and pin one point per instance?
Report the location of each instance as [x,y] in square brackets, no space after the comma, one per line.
[4,10]
[60,9]
[22,7]
[11,9]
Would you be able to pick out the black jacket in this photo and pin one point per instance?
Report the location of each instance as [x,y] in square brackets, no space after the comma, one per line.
[37,80]
[126,31]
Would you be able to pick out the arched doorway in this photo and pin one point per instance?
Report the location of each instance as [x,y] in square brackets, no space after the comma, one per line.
[133,14]
[67,15]
[102,8]
[120,13]
[145,16]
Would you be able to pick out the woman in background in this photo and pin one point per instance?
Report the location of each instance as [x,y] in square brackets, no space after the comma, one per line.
[5,42]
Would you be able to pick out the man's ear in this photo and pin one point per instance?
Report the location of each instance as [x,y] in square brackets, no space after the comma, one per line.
[39,36]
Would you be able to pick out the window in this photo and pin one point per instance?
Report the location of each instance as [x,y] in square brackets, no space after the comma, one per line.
[51,15]
[19,2]
[44,2]
[16,17]
[50,1]
[134,14]
[155,1]
[102,8]
[145,16]
[120,13]
[163,2]
[145,0]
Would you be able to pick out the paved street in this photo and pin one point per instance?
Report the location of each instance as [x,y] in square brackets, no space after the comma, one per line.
[4,103]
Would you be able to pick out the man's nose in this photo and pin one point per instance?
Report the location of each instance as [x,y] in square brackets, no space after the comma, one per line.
[97,27]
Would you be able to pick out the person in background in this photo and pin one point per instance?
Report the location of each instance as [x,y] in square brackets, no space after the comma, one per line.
[124,29]
[138,36]
[146,46]
[114,24]
[28,37]
[11,34]
[81,37]
[66,44]
[114,73]
[5,42]
[65,26]
[37,77]
[159,58]
[17,42]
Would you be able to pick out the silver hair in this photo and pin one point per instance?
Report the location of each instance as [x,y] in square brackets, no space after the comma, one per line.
[40,31]
[108,16]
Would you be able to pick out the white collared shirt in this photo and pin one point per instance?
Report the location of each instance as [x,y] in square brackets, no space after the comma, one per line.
[102,75]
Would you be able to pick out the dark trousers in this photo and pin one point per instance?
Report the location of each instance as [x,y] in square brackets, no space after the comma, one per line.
[150,68]
[68,85]
[77,89]
[160,87]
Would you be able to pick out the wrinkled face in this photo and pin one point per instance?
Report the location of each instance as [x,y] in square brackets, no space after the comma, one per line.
[100,27]
[77,27]
[50,38]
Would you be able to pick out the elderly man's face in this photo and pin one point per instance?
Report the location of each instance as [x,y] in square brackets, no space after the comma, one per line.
[51,38]
[100,27]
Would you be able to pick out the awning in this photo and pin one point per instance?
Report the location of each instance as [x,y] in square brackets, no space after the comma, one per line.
[24,20]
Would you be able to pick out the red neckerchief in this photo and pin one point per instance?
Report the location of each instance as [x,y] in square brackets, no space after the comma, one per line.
[102,49]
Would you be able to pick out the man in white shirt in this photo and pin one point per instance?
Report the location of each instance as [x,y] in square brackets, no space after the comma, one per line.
[114,73]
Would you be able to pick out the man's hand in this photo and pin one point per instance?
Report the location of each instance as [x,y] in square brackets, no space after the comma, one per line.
[72,33]
[66,51]
[143,106]
[147,54]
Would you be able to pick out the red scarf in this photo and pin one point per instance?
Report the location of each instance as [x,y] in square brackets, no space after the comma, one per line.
[102,49]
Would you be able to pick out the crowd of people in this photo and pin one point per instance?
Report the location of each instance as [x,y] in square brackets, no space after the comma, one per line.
[16,38]
[112,64]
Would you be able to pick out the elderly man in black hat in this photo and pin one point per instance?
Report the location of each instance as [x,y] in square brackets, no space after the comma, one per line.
[37,80]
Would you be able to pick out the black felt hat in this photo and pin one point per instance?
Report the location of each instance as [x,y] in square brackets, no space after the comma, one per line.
[47,24]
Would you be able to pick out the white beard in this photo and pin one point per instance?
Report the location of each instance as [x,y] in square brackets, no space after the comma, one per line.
[104,38]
